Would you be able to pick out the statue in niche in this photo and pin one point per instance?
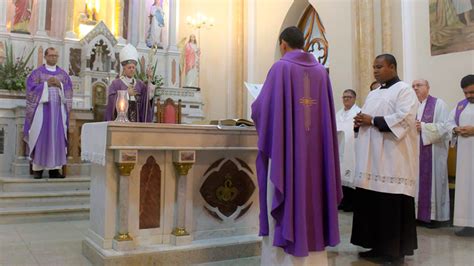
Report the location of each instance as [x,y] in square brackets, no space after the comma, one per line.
[190,53]
[22,16]
[157,23]
[74,62]
[99,57]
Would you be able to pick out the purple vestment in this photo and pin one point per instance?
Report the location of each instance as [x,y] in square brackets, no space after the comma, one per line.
[144,105]
[295,120]
[45,133]
[426,166]
[459,108]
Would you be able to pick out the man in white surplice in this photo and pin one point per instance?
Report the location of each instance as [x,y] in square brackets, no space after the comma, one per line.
[461,125]
[432,194]
[345,124]
[386,167]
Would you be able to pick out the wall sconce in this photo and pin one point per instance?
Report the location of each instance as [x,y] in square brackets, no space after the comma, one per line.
[121,106]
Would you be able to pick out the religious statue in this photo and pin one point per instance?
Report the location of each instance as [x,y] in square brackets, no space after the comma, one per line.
[98,64]
[22,16]
[157,23]
[191,55]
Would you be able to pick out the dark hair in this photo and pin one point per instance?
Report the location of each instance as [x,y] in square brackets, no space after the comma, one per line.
[467,81]
[351,91]
[390,59]
[47,50]
[293,36]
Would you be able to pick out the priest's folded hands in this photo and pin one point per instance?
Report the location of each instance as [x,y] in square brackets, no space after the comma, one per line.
[362,119]
[465,131]
[54,82]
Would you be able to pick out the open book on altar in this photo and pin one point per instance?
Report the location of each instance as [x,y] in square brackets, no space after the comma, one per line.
[254,89]
[240,122]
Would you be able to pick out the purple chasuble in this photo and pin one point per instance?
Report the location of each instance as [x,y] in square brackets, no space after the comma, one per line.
[49,149]
[426,166]
[295,120]
[459,108]
[144,105]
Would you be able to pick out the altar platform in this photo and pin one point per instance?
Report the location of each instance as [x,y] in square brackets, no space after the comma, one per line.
[178,194]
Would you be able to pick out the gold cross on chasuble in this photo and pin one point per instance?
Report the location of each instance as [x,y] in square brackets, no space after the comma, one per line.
[307,101]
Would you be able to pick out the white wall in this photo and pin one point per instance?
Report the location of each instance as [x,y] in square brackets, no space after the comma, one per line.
[215,55]
[272,16]
[444,72]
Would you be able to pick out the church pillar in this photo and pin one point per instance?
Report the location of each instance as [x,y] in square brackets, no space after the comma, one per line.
[3,15]
[70,20]
[173,25]
[235,66]
[143,21]
[125,162]
[366,44]
[386,26]
[179,234]
[41,30]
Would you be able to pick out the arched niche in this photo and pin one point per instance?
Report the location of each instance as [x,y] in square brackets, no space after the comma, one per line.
[303,13]
[99,100]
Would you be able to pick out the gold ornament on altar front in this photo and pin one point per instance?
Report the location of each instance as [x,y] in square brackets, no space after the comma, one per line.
[180,231]
[123,237]
[125,169]
[182,168]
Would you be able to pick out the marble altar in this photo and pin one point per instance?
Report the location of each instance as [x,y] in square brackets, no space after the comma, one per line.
[160,191]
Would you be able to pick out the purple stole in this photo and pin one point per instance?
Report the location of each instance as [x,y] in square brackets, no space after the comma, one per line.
[426,166]
[459,108]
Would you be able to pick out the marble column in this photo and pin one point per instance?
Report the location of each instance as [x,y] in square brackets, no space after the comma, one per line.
[366,46]
[122,233]
[173,25]
[70,20]
[142,24]
[3,16]
[41,30]
[182,170]
[386,13]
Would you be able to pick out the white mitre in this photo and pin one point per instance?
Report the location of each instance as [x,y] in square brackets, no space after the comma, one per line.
[128,53]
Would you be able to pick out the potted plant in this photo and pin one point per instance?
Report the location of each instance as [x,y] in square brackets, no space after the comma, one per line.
[14,72]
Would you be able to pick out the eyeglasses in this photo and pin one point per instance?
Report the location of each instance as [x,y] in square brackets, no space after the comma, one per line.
[347,97]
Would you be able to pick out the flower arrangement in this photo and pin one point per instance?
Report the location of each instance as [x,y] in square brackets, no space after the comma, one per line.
[14,72]
[142,70]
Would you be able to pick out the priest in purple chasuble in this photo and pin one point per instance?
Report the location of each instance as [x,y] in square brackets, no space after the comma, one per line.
[387,145]
[298,162]
[48,105]
[140,95]
[461,128]
[432,193]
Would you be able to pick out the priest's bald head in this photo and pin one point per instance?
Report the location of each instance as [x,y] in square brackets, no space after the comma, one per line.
[290,39]
[467,85]
[385,68]
[421,88]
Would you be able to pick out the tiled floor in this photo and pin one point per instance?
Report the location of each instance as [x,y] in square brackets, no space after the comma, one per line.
[59,243]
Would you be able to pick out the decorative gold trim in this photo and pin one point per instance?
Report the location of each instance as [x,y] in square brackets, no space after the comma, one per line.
[180,231]
[182,168]
[125,168]
[123,237]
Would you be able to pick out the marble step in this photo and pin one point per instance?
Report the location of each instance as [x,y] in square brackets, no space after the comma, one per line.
[48,198]
[29,184]
[44,214]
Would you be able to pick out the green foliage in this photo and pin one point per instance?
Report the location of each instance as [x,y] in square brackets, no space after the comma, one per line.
[14,72]
[140,73]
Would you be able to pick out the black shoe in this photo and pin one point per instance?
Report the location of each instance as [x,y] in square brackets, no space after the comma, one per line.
[55,174]
[38,174]
[394,260]
[369,254]
[466,231]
